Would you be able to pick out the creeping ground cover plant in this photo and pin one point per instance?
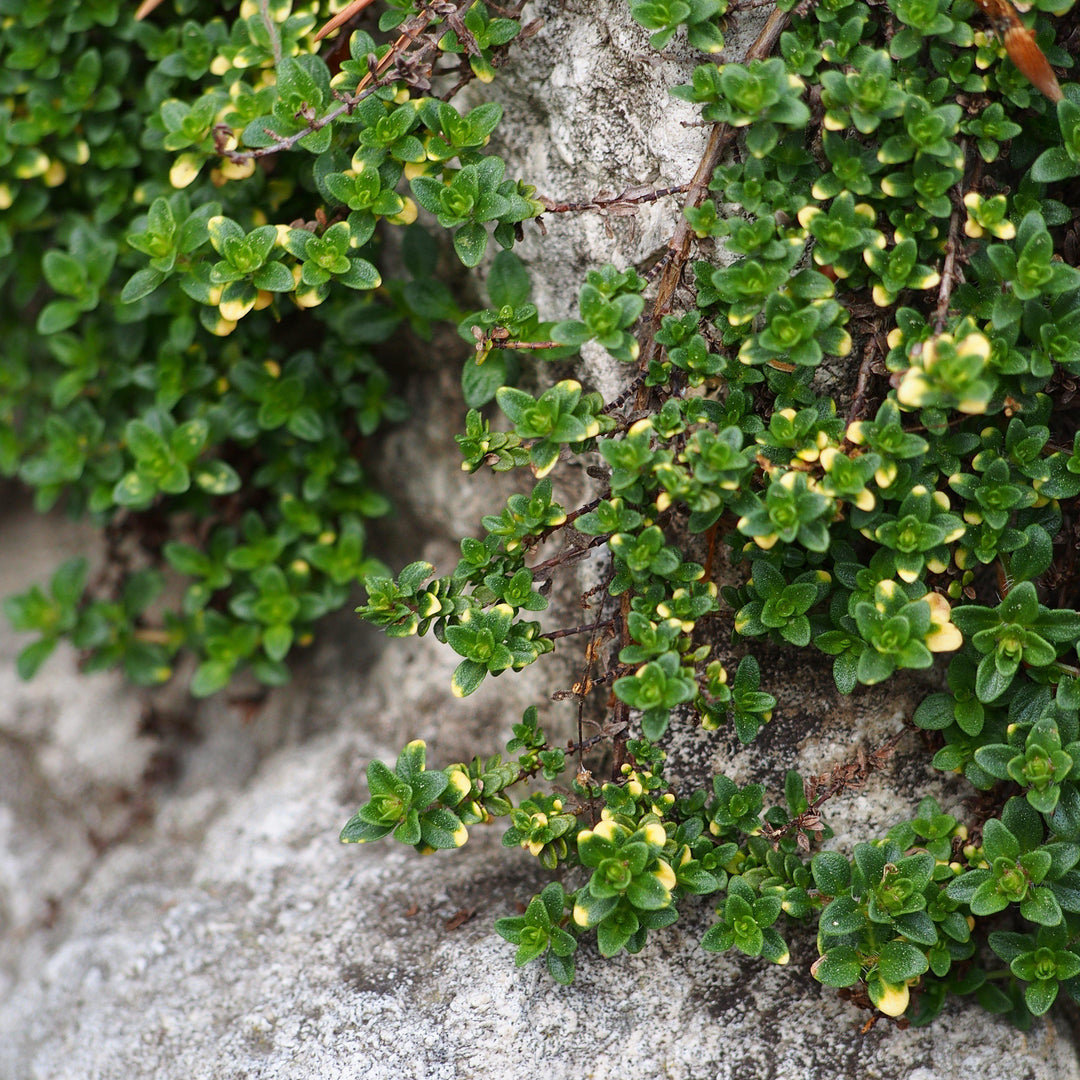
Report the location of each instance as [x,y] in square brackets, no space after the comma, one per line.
[213,216]
[194,207]
[919,517]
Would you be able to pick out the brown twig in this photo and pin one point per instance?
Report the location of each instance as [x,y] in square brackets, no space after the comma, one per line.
[570,631]
[375,79]
[862,384]
[632,196]
[342,17]
[496,343]
[586,508]
[625,396]
[581,688]
[621,711]
[846,776]
[567,556]
[586,744]
[719,138]
[950,273]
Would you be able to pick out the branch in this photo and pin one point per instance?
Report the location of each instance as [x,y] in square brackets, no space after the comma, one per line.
[342,17]
[145,8]
[570,631]
[567,557]
[950,274]
[271,29]
[374,80]
[679,246]
[861,396]
[497,343]
[845,776]
[627,199]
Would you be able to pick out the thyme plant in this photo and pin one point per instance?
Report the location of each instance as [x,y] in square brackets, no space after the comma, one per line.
[925,513]
[889,190]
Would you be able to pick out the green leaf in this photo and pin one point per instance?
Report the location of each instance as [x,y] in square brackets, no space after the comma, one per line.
[838,967]
[832,872]
[360,275]
[69,582]
[508,283]
[899,961]
[479,382]
[147,665]
[210,677]
[217,478]
[1053,165]
[277,640]
[33,656]
[186,559]
[63,272]
[188,440]
[995,759]
[175,480]
[470,243]
[359,831]
[560,968]
[306,423]
[1039,906]
[842,916]
[141,590]
[143,282]
[935,712]
[273,277]
[442,829]
[1041,994]
[133,490]
[1034,558]
[570,332]
[57,316]
[467,678]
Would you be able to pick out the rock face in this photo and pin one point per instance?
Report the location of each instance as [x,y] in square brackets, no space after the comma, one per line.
[225,933]
[174,902]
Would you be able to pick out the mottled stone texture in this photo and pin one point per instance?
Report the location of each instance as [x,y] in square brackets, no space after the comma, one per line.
[173,900]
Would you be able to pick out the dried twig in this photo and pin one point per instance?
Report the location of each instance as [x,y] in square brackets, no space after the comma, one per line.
[847,776]
[625,200]
[145,8]
[719,138]
[342,17]
[873,350]
[570,631]
[950,273]
[376,78]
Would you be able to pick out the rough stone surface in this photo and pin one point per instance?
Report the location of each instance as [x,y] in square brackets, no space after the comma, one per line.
[173,899]
[587,112]
[231,936]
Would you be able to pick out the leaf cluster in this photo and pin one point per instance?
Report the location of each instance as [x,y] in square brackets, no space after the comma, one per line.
[919,523]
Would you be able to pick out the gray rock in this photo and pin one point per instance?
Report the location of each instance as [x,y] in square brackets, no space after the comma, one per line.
[173,899]
[236,938]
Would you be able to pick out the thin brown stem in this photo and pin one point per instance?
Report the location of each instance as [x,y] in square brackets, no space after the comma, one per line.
[567,557]
[719,138]
[342,17]
[862,384]
[145,8]
[372,81]
[628,198]
[846,776]
[523,345]
[271,29]
[949,270]
[570,631]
